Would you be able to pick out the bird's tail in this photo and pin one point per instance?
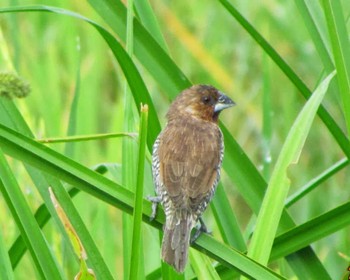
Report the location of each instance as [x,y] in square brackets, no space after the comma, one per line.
[176,239]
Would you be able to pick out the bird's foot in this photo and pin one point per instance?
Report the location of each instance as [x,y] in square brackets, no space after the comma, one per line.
[199,230]
[155,201]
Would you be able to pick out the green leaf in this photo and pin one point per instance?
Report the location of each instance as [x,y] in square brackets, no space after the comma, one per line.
[315,35]
[78,138]
[241,262]
[149,21]
[311,231]
[6,272]
[277,190]
[202,266]
[136,247]
[303,191]
[341,51]
[226,220]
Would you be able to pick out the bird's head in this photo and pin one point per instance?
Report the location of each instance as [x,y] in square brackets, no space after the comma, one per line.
[200,101]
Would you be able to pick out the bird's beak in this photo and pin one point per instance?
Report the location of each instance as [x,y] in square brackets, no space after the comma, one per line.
[223,103]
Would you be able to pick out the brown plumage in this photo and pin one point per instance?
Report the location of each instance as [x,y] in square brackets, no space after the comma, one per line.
[187,158]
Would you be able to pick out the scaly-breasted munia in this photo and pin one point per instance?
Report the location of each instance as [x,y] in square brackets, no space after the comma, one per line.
[186,164]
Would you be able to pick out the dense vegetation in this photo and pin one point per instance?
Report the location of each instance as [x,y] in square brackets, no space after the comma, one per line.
[90,66]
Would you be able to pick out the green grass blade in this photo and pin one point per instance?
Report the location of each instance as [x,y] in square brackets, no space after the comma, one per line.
[78,138]
[6,272]
[149,21]
[202,266]
[72,120]
[40,251]
[136,248]
[241,262]
[314,269]
[226,220]
[311,231]
[340,44]
[129,156]
[273,203]
[315,35]
[267,118]
[303,191]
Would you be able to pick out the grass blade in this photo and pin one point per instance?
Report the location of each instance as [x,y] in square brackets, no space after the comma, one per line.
[73,112]
[278,187]
[129,148]
[202,266]
[6,272]
[226,220]
[149,20]
[303,191]
[136,248]
[315,35]
[311,231]
[341,46]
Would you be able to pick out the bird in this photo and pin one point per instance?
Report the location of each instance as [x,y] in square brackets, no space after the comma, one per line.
[186,163]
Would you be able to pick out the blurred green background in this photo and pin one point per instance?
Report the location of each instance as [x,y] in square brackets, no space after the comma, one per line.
[210,47]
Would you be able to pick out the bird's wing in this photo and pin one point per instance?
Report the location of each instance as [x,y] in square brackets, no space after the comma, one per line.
[190,159]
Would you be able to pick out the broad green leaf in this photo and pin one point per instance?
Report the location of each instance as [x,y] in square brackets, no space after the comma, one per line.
[277,190]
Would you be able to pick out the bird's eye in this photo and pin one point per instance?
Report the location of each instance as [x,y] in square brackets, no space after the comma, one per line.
[206,99]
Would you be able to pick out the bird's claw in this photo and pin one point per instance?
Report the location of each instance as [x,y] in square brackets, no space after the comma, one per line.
[202,228]
[155,201]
